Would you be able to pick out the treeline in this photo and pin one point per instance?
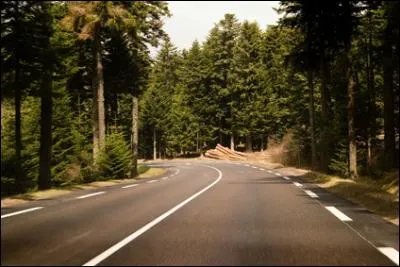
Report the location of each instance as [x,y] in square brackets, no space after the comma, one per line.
[82,99]
[328,73]
[70,80]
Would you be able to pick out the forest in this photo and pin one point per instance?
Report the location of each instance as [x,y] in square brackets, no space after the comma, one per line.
[82,99]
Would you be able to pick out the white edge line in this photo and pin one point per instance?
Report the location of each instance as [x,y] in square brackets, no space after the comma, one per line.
[164,178]
[269,171]
[91,195]
[261,169]
[391,253]
[254,167]
[339,214]
[20,212]
[278,174]
[131,185]
[297,184]
[285,177]
[152,181]
[96,260]
[311,193]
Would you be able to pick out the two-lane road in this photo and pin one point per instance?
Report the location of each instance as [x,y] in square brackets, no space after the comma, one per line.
[199,213]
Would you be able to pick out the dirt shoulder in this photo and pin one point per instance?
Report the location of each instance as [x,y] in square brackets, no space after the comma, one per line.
[57,192]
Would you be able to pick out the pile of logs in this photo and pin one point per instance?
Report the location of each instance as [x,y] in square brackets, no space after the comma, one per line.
[221,152]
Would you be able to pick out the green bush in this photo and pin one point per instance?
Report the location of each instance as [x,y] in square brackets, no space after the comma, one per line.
[340,163]
[115,161]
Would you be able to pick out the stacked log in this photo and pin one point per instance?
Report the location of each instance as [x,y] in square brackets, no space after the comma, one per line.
[221,152]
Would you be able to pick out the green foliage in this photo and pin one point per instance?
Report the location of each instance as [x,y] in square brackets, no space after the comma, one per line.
[115,160]
[340,163]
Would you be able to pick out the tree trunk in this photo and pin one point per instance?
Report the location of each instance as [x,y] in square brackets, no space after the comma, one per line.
[17,99]
[154,144]
[262,143]
[325,101]
[312,119]
[134,136]
[18,143]
[389,141]
[351,126]
[371,99]
[249,144]
[99,133]
[232,142]
[44,181]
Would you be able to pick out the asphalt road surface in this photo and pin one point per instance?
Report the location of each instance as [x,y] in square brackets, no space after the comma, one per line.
[198,213]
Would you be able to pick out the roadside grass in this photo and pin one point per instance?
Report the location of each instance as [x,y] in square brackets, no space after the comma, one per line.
[151,172]
[380,196]
[143,170]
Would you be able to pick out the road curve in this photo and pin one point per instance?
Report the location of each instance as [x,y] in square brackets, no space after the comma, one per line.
[199,213]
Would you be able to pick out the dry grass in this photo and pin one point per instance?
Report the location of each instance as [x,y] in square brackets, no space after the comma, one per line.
[152,172]
[380,197]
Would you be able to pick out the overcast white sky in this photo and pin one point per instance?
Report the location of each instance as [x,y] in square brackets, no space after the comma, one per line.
[193,20]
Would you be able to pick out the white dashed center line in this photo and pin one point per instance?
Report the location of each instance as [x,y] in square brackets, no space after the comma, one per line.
[20,212]
[91,195]
[131,185]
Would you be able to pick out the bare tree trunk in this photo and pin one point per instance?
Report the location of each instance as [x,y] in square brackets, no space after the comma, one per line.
[249,144]
[311,118]
[154,144]
[18,143]
[99,133]
[262,143]
[232,142]
[389,141]
[371,100]
[17,104]
[325,115]
[351,127]
[134,137]
[44,181]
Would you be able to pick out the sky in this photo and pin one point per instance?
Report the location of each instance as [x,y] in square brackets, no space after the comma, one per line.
[192,20]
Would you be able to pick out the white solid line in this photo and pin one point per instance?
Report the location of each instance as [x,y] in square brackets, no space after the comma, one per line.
[152,181]
[131,185]
[339,214]
[391,253]
[19,212]
[96,260]
[297,184]
[285,177]
[261,169]
[164,178]
[91,195]
[311,193]
[278,174]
